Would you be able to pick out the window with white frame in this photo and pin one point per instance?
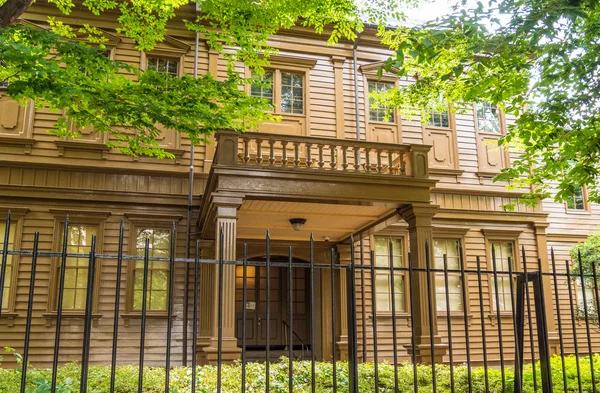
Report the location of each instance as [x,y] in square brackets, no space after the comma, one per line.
[450,248]
[504,256]
[163,65]
[439,119]
[576,201]
[379,112]
[283,90]
[488,118]
[383,281]
[159,242]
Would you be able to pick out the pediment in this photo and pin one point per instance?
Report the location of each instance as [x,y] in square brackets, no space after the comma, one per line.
[372,69]
[112,40]
[170,46]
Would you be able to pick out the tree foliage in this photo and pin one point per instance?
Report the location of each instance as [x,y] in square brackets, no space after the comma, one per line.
[536,60]
[56,70]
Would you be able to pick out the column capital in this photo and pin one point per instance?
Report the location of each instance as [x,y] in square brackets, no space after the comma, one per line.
[540,227]
[417,213]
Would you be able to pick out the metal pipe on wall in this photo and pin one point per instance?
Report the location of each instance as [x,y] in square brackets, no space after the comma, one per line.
[355,70]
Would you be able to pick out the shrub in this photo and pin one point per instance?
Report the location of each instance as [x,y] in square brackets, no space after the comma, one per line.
[126,378]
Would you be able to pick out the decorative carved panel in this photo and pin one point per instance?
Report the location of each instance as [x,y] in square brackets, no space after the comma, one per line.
[383,133]
[15,119]
[442,154]
[491,158]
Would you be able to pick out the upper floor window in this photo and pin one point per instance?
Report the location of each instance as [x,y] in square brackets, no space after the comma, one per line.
[9,261]
[450,249]
[488,118]
[379,113]
[383,282]
[503,252]
[577,200]
[159,242]
[79,241]
[163,65]
[439,119]
[284,90]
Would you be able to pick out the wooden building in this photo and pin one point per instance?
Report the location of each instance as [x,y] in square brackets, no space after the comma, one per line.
[334,160]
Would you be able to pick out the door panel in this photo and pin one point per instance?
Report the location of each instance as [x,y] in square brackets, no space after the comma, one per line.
[442,143]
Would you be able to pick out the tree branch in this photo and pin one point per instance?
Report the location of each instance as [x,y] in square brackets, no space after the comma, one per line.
[11,10]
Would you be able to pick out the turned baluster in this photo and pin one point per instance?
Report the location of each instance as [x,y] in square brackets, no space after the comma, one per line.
[321,161]
[259,157]
[390,162]
[368,160]
[309,161]
[402,163]
[296,154]
[271,152]
[356,158]
[379,166]
[246,151]
[284,159]
[345,158]
[333,163]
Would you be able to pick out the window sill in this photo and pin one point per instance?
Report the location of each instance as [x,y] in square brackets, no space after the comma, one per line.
[150,315]
[576,212]
[388,315]
[493,316]
[455,315]
[9,316]
[71,314]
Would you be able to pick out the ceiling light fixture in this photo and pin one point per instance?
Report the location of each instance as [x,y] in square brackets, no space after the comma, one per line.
[298,223]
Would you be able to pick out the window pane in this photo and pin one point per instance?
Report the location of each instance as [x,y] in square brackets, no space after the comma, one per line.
[450,248]
[164,66]
[79,241]
[503,252]
[263,88]
[159,245]
[292,93]
[488,118]
[439,119]
[576,201]
[9,259]
[380,113]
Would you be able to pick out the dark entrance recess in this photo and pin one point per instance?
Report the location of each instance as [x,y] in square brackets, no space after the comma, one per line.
[256,307]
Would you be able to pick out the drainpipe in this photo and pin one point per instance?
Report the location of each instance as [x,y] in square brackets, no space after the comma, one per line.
[189,224]
[355,69]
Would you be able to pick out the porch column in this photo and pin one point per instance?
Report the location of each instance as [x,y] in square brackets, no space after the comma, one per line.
[542,251]
[205,300]
[420,232]
[226,220]
[344,252]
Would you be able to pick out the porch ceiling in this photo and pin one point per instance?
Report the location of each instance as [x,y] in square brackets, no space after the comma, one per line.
[323,220]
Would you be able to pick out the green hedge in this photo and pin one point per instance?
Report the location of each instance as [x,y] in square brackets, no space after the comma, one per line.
[126,378]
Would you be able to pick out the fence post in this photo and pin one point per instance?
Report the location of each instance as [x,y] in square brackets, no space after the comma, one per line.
[352,334]
[542,328]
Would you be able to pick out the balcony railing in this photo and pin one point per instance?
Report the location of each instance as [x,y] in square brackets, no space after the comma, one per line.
[260,150]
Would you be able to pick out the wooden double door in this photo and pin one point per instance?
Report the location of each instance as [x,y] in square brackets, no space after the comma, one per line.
[256,306]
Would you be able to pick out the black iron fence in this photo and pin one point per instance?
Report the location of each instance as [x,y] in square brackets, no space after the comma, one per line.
[474,347]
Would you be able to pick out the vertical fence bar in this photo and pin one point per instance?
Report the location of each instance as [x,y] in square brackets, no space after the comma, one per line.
[170,309]
[575,344]
[291,322]
[220,311]
[59,306]
[518,359]
[143,322]
[363,298]
[394,329]
[244,313]
[313,386]
[498,317]
[87,328]
[333,324]
[4,261]
[463,284]
[587,321]
[413,342]
[374,301]
[352,330]
[542,329]
[597,299]
[113,360]
[268,334]
[431,316]
[520,332]
[482,318]
[529,320]
[448,322]
[36,238]
[559,319]
[195,314]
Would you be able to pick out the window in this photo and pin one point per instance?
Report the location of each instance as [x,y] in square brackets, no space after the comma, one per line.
[381,113]
[439,119]
[449,248]
[590,297]
[283,90]
[79,241]
[488,118]
[158,272]
[9,261]
[164,66]
[264,89]
[577,200]
[383,282]
[504,255]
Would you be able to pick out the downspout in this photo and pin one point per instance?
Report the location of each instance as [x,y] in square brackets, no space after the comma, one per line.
[355,69]
[188,228]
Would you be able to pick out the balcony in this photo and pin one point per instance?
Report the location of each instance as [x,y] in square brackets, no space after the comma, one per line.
[376,178]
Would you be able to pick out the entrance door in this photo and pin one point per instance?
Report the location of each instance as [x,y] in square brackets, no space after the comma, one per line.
[256,306]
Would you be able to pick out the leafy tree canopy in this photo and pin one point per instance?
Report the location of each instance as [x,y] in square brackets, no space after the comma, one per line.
[58,71]
[537,60]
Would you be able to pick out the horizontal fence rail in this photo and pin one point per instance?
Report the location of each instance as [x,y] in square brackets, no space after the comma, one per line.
[370,322]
